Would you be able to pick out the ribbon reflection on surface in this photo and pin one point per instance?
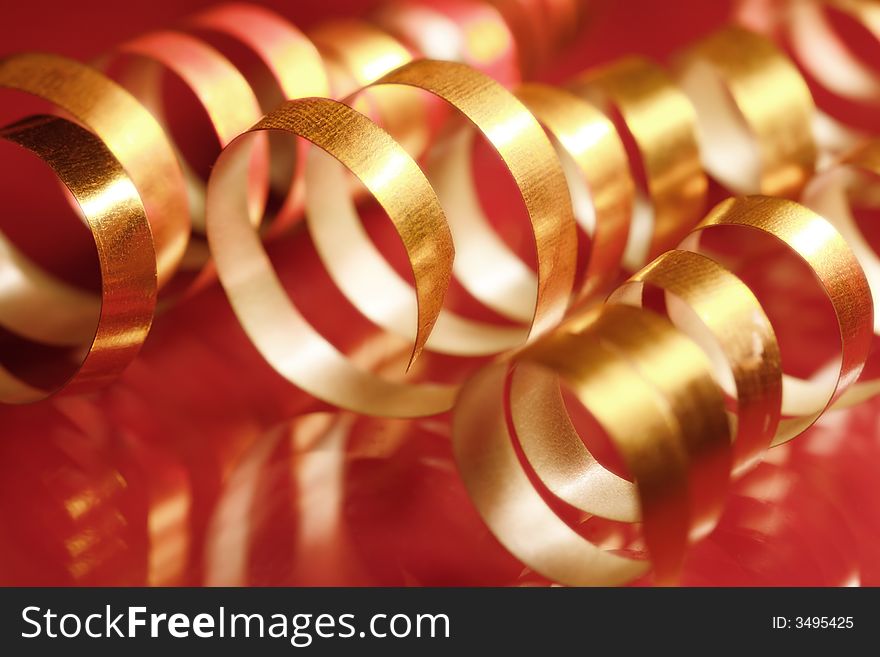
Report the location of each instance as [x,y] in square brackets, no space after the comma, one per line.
[399,237]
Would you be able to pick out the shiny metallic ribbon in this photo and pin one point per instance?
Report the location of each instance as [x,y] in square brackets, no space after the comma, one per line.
[618,160]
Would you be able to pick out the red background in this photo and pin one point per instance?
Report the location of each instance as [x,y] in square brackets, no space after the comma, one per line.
[87,483]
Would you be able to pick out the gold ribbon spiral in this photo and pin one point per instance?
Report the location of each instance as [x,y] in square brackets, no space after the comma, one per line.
[612,172]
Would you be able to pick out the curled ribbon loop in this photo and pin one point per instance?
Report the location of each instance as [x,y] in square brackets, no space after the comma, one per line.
[279,331]
[115,215]
[221,89]
[754,111]
[720,312]
[844,80]
[529,156]
[295,70]
[127,129]
[851,83]
[38,306]
[455,30]
[294,62]
[484,264]
[357,54]
[597,170]
[540,27]
[662,123]
[676,448]
[508,502]
[694,443]
[813,239]
[680,369]
[853,184]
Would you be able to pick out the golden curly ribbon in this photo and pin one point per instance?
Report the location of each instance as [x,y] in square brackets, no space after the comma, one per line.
[463,31]
[849,83]
[357,54]
[656,386]
[835,193]
[127,129]
[737,326]
[661,362]
[220,88]
[842,72]
[41,308]
[813,239]
[754,113]
[540,27]
[597,170]
[401,188]
[115,215]
[661,121]
[296,71]
[292,59]
[484,265]
[664,451]
[282,335]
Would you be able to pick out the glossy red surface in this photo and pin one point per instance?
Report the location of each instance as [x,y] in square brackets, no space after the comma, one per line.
[199,467]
